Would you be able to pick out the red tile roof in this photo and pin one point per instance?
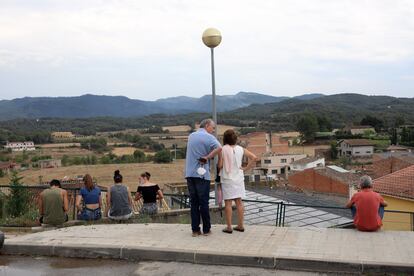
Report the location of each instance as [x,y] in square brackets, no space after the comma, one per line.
[399,183]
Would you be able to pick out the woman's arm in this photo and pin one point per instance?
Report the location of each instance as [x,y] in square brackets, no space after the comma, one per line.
[252,159]
[129,197]
[160,195]
[220,161]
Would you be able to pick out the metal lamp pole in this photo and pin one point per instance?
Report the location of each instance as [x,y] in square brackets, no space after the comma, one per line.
[212,38]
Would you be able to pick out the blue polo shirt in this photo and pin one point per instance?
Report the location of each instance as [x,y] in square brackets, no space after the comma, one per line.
[200,143]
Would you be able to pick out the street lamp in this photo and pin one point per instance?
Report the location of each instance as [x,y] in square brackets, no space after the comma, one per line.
[212,38]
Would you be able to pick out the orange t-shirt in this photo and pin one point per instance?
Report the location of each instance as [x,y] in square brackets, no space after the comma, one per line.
[367,203]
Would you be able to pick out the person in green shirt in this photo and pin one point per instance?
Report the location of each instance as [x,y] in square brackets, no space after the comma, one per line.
[53,204]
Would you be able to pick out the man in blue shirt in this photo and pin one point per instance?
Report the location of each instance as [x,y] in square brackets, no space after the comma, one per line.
[201,147]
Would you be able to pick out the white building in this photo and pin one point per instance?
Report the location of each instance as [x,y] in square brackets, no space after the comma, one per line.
[356,148]
[20,146]
[277,163]
[307,163]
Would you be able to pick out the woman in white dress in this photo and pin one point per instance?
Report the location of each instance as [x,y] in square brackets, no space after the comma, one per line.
[232,178]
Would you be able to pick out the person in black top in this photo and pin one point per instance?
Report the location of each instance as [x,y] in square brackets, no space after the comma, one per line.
[149,192]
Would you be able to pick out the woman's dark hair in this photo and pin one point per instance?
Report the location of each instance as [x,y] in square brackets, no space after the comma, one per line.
[147,175]
[88,181]
[117,177]
[229,137]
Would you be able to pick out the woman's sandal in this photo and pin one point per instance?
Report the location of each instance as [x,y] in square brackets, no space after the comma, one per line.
[228,231]
[238,229]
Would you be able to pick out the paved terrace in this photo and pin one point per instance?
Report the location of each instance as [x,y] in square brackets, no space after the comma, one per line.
[335,250]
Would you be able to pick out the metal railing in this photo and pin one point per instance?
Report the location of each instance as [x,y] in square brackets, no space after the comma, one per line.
[279,213]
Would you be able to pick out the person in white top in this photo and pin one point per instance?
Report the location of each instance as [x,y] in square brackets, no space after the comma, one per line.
[232,177]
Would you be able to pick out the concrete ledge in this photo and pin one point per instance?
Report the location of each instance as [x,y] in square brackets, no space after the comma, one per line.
[232,259]
[320,250]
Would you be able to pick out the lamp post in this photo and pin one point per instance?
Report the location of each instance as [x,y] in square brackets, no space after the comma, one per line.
[212,38]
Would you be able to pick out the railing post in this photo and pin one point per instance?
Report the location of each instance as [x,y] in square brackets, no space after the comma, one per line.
[277,214]
[284,213]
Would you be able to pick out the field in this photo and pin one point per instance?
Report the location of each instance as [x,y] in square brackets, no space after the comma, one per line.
[179,128]
[309,150]
[161,173]
[123,151]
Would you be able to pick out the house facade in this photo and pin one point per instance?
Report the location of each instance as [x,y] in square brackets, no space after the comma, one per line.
[356,148]
[20,146]
[49,163]
[260,143]
[397,189]
[277,163]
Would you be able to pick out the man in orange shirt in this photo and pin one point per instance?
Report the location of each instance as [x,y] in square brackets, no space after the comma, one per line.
[367,207]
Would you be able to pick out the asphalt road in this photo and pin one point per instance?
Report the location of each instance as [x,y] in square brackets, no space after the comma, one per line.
[21,266]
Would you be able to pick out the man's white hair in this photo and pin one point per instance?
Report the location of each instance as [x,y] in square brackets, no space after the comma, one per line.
[206,122]
[366,182]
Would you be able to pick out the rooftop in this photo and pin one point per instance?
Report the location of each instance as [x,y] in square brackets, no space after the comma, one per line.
[399,183]
[358,142]
[307,160]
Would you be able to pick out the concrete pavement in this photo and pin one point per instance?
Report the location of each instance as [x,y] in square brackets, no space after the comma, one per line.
[322,250]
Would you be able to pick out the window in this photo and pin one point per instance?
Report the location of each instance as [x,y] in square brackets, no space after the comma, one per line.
[357,152]
[268,161]
[292,159]
[368,151]
[283,160]
[274,171]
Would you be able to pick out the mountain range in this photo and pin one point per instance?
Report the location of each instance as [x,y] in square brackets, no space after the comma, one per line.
[119,106]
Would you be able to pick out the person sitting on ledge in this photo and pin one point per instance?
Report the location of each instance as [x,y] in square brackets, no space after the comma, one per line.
[90,196]
[367,207]
[150,192]
[53,204]
[119,200]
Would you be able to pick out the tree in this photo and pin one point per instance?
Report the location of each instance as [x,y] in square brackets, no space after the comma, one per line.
[334,150]
[139,156]
[2,173]
[18,200]
[324,123]
[163,156]
[373,121]
[308,126]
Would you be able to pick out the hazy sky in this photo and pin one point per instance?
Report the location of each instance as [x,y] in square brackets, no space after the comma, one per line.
[153,49]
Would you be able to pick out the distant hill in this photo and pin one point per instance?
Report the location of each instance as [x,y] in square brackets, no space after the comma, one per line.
[118,106]
[340,109]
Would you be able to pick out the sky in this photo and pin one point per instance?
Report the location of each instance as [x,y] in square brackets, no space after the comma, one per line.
[153,49]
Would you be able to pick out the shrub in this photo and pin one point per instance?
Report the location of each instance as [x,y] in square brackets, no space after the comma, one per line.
[163,156]
[18,200]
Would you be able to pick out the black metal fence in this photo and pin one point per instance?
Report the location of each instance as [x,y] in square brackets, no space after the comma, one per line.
[279,213]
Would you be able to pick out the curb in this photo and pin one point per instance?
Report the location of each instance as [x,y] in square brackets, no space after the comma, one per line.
[200,257]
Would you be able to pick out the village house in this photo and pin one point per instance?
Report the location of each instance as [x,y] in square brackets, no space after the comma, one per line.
[49,163]
[260,143]
[356,148]
[307,163]
[397,189]
[277,163]
[62,135]
[20,146]
[360,130]
[388,162]
[6,167]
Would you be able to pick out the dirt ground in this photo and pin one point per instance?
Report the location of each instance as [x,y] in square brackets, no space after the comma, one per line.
[124,151]
[161,173]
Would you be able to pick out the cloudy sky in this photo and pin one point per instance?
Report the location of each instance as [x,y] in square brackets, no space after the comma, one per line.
[152,49]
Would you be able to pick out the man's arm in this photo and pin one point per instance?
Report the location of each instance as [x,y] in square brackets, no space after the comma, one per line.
[65,201]
[40,203]
[213,153]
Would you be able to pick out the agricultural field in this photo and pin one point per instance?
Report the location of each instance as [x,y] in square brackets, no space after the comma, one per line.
[161,173]
[119,151]
[180,128]
[309,150]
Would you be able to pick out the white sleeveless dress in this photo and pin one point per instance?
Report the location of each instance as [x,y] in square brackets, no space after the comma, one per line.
[232,184]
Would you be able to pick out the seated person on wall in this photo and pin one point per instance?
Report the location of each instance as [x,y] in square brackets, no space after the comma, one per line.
[119,200]
[367,207]
[150,192]
[53,204]
[89,202]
